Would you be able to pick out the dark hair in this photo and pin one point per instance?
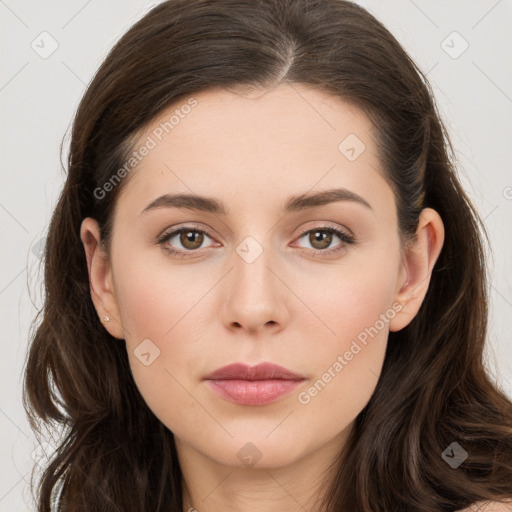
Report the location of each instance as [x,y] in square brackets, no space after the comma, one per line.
[433,390]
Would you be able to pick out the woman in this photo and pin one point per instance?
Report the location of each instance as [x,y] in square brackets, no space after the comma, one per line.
[265,286]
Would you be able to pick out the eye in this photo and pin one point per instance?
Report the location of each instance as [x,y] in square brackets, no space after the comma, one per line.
[190,238]
[320,238]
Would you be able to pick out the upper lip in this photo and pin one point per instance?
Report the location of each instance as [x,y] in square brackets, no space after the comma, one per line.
[262,371]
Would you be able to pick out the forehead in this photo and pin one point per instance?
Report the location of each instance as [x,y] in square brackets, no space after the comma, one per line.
[303,117]
[242,144]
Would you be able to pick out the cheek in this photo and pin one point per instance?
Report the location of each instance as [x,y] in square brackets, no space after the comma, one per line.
[161,314]
[353,297]
[154,298]
[345,368]
[347,359]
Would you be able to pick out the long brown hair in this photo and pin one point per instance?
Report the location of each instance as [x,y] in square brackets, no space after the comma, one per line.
[115,454]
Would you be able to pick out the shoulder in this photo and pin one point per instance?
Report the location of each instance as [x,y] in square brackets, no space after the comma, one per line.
[490,506]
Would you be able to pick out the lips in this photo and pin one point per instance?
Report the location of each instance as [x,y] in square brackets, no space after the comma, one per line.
[262,371]
[253,385]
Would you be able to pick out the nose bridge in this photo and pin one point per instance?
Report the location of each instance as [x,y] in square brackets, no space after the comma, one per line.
[252,262]
[253,297]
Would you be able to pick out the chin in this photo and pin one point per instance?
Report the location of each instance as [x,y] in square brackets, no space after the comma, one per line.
[257,452]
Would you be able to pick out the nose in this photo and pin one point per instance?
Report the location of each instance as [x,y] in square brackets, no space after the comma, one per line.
[256,298]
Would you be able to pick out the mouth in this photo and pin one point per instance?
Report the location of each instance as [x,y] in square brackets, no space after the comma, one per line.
[262,384]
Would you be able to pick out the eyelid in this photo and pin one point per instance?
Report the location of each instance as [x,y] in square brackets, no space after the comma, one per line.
[326,226]
[189,225]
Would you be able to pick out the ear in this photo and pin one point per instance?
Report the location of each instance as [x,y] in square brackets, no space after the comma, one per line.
[100,278]
[416,267]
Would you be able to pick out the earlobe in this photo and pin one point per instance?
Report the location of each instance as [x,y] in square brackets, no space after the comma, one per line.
[418,264]
[100,278]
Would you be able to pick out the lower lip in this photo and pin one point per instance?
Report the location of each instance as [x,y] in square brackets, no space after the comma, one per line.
[253,392]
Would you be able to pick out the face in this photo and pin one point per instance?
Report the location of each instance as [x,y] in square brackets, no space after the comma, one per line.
[310,286]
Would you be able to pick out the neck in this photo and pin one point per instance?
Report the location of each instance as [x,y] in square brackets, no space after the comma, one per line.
[209,486]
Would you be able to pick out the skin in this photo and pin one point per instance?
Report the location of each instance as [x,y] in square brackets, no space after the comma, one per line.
[295,305]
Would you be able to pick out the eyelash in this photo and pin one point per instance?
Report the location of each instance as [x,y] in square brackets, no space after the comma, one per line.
[345,237]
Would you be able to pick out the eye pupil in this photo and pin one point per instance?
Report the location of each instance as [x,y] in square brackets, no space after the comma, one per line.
[324,238]
[190,237]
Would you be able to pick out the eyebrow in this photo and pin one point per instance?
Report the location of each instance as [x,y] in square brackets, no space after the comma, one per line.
[293,204]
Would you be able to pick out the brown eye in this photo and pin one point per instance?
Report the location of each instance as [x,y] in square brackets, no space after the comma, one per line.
[191,239]
[320,239]
[184,241]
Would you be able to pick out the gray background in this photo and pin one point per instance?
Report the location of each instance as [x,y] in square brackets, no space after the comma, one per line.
[39,94]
